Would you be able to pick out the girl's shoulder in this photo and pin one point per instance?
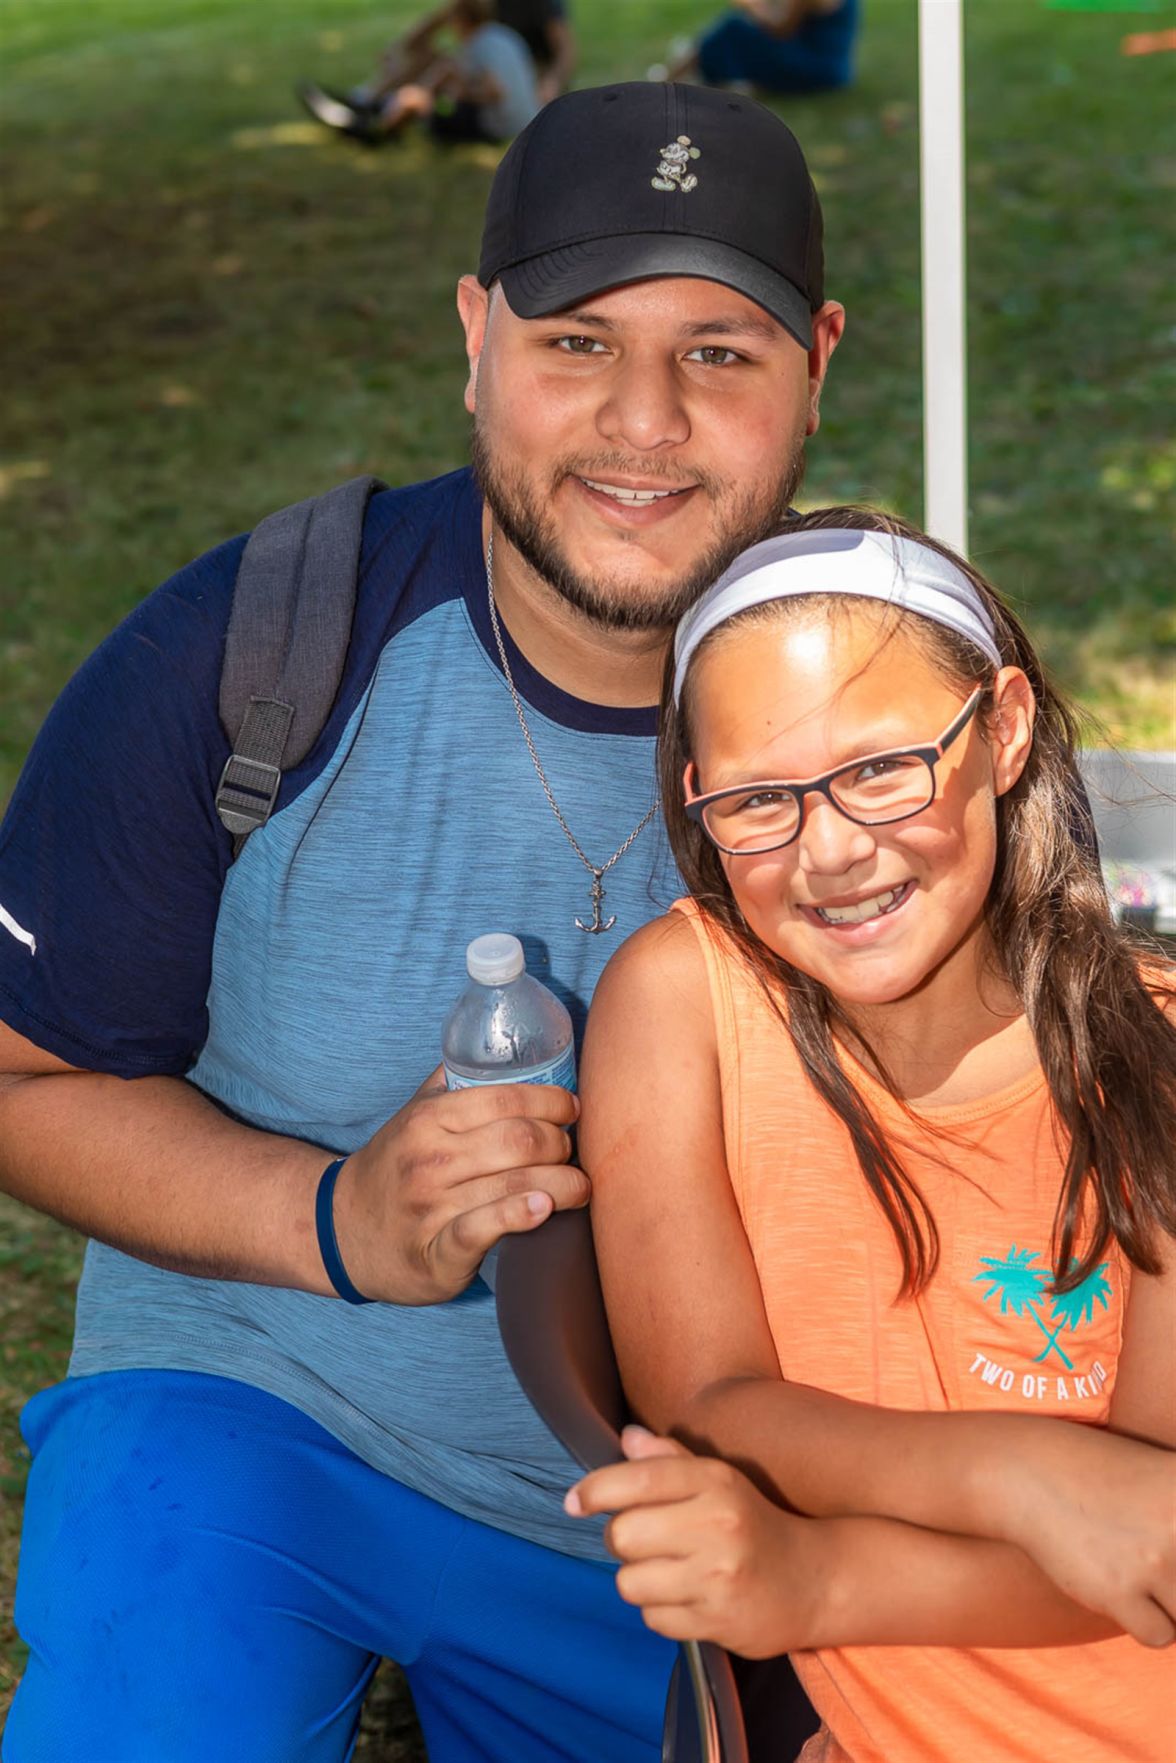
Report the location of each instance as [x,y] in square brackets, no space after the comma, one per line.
[684,961]
[660,965]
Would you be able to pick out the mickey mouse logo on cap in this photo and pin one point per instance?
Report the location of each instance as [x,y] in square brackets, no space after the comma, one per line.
[552,241]
[674,160]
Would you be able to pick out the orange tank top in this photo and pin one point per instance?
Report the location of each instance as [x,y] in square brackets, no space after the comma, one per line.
[986,1333]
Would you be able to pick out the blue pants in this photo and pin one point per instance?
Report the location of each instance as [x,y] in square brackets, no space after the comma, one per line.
[818,58]
[207,1576]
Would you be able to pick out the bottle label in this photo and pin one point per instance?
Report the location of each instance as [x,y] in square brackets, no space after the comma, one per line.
[561,1071]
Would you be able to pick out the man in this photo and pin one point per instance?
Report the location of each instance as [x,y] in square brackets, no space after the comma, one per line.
[247,1489]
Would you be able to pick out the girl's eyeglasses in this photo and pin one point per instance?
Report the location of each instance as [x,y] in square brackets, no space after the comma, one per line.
[873,792]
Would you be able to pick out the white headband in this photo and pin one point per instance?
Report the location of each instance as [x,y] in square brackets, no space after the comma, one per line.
[839,560]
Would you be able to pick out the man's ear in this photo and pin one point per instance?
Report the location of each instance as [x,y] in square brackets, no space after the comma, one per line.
[828,325]
[473,305]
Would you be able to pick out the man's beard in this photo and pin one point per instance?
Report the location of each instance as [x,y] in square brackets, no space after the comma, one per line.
[535,535]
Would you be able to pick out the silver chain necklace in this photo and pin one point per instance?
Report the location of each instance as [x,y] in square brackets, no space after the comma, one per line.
[598,923]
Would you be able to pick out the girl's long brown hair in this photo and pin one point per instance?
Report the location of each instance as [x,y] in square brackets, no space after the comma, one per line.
[1106,1047]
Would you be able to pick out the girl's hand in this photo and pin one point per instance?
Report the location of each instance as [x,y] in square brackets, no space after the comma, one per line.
[703,1553]
[1097,1513]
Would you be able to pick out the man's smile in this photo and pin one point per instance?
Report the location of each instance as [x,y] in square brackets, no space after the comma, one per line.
[632,493]
[634,504]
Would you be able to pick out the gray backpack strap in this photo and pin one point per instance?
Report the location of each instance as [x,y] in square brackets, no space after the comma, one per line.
[293,606]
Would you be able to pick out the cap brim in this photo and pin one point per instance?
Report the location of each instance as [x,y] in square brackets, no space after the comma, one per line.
[557,279]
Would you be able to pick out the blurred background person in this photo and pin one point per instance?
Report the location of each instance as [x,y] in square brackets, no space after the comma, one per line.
[486,90]
[785,46]
[421,58]
[546,29]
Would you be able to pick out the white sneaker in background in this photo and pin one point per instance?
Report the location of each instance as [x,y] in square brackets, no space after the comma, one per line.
[327,108]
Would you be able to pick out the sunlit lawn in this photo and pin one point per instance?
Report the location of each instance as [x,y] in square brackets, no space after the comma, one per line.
[211,307]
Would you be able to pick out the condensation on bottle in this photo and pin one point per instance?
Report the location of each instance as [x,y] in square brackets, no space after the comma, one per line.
[505,1028]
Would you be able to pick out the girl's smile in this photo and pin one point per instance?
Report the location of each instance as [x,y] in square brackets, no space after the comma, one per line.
[848,916]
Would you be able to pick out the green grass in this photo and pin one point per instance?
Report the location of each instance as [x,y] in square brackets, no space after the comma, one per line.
[212,307]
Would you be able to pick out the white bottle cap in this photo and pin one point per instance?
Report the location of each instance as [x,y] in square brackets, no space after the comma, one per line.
[495,960]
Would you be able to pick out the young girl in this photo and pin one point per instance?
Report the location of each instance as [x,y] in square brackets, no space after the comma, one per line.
[881,1127]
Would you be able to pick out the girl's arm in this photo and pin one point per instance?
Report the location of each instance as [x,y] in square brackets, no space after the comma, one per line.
[1144,1400]
[707,1557]
[697,1356]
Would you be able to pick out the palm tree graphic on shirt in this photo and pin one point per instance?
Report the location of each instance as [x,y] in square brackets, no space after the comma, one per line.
[1020,1285]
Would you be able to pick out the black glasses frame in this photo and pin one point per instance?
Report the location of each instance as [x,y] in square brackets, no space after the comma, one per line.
[801,789]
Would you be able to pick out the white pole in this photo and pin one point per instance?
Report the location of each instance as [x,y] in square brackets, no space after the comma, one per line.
[941,143]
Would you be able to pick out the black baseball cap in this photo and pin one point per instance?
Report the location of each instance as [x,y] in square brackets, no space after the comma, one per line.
[615,184]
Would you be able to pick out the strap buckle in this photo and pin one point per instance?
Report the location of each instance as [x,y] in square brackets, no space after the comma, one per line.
[246,793]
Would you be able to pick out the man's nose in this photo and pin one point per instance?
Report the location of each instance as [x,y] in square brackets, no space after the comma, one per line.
[644,408]
[829,843]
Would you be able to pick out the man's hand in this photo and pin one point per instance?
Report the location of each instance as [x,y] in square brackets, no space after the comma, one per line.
[423,1201]
[703,1553]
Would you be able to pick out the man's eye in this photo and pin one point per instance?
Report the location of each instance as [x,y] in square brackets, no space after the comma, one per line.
[713,355]
[579,345]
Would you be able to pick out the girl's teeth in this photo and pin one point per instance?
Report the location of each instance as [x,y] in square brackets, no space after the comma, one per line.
[622,495]
[861,910]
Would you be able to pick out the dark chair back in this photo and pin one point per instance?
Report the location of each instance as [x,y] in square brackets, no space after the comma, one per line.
[553,1325]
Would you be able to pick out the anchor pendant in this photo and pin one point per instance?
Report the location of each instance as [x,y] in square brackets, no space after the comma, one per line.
[598,924]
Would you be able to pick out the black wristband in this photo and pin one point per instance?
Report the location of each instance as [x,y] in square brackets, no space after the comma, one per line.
[324,1219]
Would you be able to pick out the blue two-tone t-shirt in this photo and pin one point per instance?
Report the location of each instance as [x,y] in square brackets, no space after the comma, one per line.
[305,985]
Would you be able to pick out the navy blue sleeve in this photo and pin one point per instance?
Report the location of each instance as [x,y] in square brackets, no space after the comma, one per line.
[112,858]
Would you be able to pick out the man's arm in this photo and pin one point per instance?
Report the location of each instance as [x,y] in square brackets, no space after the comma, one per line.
[153,1167]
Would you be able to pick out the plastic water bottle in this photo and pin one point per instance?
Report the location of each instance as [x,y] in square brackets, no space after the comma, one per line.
[505,1028]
